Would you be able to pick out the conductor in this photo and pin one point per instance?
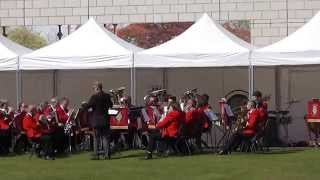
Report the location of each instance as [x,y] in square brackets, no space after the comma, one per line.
[99,104]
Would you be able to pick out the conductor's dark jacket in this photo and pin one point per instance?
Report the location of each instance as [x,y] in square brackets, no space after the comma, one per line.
[100,103]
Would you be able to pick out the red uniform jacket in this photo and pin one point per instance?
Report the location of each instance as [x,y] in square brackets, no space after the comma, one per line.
[62,114]
[154,116]
[263,112]
[33,130]
[203,117]
[4,121]
[253,118]
[192,117]
[19,119]
[47,110]
[171,123]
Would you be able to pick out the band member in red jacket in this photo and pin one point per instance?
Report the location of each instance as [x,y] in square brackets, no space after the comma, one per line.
[192,117]
[248,132]
[6,116]
[152,113]
[262,107]
[169,127]
[61,140]
[62,111]
[19,115]
[36,133]
[50,108]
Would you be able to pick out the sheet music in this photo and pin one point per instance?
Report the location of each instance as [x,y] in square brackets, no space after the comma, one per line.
[145,115]
[113,112]
[228,110]
[211,115]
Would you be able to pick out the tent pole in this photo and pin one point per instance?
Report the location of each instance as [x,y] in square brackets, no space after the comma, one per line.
[88,9]
[277,88]
[55,93]
[132,80]
[249,81]
[250,72]
[252,79]
[18,83]
[164,79]
[134,85]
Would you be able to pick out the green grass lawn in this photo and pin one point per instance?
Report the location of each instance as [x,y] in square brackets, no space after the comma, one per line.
[281,164]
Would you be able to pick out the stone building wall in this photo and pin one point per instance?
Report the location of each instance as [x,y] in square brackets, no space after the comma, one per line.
[268,17]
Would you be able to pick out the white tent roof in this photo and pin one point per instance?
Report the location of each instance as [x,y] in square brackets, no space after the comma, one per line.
[205,43]
[89,47]
[9,52]
[301,47]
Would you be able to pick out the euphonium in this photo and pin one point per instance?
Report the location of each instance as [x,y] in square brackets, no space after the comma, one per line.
[241,119]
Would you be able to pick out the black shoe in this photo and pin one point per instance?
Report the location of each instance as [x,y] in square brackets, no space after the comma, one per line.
[106,157]
[148,156]
[49,158]
[223,153]
[95,157]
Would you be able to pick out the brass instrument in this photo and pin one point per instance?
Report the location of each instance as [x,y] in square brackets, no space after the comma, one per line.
[241,119]
[43,121]
[117,94]
[188,94]
[69,124]
[54,115]
[161,94]
[191,93]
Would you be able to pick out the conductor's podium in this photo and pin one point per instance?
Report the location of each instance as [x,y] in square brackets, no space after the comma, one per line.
[121,120]
[313,111]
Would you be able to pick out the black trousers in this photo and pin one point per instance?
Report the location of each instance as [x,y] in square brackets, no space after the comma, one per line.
[155,138]
[46,143]
[101,141]
[5,141]
[235,140]
[130,137]
[60,140]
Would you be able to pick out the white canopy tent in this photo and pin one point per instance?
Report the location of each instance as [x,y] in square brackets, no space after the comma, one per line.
[89,47]
[204,44]
[9,58]
[300,48]
[9,52]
